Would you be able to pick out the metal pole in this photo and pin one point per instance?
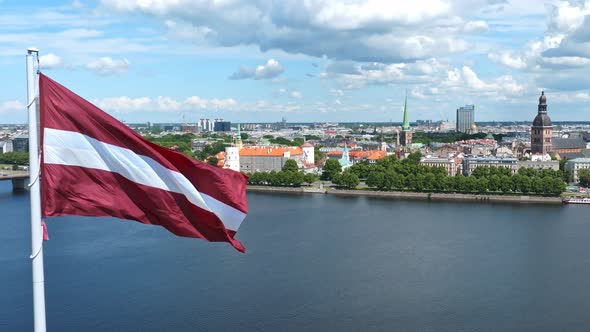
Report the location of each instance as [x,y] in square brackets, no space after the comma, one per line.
[35,192]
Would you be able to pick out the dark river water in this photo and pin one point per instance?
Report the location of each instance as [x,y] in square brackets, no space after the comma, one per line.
[313,263]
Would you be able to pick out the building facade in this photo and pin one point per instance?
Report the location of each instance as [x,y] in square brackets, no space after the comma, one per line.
[222,126]
[20,143]
[268,158]
[471,163]
[574,166]
[465,118]
[232,158]
[542,129]
[540,164]
[452,165]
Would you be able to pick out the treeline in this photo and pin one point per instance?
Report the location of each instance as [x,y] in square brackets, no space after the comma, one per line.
[14,158]
[393,174]
[289,176]
[180,142]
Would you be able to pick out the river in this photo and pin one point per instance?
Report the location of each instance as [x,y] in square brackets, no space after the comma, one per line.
[313,263]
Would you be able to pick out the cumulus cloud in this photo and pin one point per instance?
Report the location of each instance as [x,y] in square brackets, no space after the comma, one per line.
[296,94]
[475,26]
[467,81]
[271,69]
[108,66]
[50,61]
[126,104]
[357,75]
[11,106]
[509,59]
[368,30]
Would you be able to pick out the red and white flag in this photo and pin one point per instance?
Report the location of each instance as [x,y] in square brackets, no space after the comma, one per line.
[94,165]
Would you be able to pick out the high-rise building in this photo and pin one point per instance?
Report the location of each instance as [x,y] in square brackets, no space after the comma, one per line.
[465,118]
[542,129]
[406,136]
[221,125]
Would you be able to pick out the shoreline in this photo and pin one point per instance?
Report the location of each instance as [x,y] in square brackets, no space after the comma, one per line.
[476,198]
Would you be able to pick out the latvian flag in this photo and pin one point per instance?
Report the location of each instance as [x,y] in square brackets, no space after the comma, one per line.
[94,165]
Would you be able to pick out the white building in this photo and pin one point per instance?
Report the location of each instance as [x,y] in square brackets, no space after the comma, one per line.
[308,153]
[232,158]
[6,146]
[452,165]
[471,163]
[539,164]
[573,166]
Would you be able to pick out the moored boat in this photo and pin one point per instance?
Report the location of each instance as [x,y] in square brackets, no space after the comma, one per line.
[576,200]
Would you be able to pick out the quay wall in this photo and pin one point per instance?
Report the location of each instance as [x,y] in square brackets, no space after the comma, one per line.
[413,195]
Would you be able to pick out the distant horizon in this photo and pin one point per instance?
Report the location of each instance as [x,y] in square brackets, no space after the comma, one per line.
[339,122]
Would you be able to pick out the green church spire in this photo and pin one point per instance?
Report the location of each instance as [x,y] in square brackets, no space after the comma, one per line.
[406,125]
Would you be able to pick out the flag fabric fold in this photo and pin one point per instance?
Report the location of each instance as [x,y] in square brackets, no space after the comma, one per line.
[94,165]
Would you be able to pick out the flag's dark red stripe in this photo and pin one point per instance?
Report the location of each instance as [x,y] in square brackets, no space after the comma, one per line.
[90,192]
[63,109]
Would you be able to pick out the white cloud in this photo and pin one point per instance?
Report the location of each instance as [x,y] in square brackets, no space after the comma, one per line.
[295,95]
[126,104]
[466,81]
[566,17]
[108,66]
[475,26]
[12,106]
[337,92]
[50,61]
[509,59]
[360,30]
[270,70]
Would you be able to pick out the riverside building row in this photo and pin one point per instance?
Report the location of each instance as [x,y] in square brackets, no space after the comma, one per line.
[459,164]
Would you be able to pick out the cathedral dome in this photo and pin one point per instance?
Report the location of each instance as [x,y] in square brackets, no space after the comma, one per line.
[542,120]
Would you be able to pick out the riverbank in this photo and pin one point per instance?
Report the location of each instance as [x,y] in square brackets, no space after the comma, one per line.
[412,195]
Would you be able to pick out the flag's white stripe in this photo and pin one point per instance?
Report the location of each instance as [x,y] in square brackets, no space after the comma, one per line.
[70,148]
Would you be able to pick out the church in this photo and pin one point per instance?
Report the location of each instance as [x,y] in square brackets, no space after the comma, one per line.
[542,129]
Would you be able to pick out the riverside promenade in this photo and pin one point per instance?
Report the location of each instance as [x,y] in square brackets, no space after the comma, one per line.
[412,195]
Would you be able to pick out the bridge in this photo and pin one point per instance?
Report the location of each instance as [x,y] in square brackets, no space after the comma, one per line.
[19,179]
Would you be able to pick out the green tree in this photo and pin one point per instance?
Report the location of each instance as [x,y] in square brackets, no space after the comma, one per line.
[584,176]
[213,161]
[331,167]
[15,158]
[482,185]
[494,183]
[470,184]
[244,136]
[505,183]
[349,180]
[318,155]
[298,179]
[375,180]
[310,178]
[361,169]
[290,166]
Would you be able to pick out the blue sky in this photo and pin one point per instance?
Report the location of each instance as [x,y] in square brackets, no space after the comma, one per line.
[315,60]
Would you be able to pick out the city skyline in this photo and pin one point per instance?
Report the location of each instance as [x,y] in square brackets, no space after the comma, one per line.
[254,61]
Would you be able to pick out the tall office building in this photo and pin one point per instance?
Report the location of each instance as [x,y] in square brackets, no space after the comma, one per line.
[465,118]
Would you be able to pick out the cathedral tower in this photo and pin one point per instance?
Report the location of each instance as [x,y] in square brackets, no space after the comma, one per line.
[542,129]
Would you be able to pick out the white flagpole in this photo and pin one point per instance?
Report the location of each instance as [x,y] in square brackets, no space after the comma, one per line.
[35,192]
